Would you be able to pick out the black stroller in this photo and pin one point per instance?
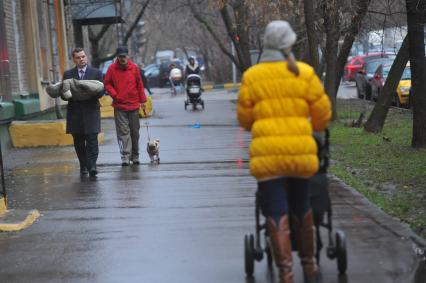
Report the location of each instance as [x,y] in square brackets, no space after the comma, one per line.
[193,91]
[321,204]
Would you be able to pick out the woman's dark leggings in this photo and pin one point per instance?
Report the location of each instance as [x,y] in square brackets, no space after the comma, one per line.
[280,196]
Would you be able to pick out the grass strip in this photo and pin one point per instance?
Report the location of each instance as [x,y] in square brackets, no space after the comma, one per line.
[383,167]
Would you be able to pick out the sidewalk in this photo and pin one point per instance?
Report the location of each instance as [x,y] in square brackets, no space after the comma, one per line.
[187,215]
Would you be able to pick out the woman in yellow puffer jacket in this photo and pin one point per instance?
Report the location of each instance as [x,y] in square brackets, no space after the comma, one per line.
[282,102]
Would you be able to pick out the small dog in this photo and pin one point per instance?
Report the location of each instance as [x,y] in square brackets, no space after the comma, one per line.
[153,149]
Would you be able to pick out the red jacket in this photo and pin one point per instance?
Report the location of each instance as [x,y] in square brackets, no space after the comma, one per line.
[125,86]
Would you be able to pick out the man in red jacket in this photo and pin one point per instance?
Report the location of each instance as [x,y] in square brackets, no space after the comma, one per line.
[123,83]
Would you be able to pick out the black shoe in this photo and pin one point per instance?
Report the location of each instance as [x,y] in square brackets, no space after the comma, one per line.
[125,164]
[93,172]
[136,163]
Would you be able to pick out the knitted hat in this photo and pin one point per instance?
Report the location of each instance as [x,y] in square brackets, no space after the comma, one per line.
[278,35]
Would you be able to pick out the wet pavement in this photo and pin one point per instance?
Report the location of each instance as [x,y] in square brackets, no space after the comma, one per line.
[183,220]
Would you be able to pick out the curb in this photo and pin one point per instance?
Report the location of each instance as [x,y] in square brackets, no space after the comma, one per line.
[42,133]
[222,86]
[387,221]
[11,220]
[107,111]
[15,219]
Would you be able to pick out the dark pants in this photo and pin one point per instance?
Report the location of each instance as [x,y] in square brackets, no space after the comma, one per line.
[86,147]
[280,196]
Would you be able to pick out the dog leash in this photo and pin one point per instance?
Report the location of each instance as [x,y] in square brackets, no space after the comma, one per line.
[147,130]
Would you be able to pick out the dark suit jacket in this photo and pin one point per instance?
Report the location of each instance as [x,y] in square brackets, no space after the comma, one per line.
[84,117]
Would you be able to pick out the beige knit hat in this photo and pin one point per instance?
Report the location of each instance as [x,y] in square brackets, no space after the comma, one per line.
[279,35]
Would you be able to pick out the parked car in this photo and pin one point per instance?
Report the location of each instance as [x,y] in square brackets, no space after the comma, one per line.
[365,75]
[152,75]
[105,65]
[402,92]
[358,62]
[147,67]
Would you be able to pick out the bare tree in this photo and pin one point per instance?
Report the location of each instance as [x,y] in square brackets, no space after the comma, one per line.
[235,19]
[416,13]
[331,24]
[377,118]
[361,8]
[311,33]
[95,38]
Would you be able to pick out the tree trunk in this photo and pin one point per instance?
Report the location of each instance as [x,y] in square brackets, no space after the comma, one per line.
[96,39]
[377,117]
[331,49]
[311,33]
[238,32]
[415,25]
[94,44]
[345,49]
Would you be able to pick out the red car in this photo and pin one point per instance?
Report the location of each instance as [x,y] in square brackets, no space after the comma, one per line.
[357,64]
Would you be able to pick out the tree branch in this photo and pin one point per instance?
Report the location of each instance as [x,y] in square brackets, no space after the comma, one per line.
[136,21]
[212,33]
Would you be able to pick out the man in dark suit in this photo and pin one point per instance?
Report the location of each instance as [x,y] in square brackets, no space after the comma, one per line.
[84,117]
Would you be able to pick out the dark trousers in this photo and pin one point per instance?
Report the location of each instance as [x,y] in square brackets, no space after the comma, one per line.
[87,149]
[280,196]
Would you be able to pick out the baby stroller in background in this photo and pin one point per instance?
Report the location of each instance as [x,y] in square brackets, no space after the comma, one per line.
[176,81]
[193,91]
[321,204]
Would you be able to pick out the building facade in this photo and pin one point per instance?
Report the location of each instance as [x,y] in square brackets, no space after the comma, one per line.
[33,52]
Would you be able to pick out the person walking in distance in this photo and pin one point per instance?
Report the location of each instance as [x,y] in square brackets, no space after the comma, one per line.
[145,79]
[84,117]
[192,67]
[282,101]
[123,82]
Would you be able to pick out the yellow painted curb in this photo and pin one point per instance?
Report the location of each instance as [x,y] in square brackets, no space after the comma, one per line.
[32,216]
[41,133]
[107,111]
[3,206]
[231,85]
[208,87]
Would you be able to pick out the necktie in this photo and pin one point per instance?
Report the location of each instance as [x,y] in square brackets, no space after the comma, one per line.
[81,74]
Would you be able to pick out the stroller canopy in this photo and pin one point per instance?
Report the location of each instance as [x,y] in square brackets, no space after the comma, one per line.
[193,79]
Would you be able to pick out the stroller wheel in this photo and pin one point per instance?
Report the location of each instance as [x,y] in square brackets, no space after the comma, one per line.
[202,104]
[249,254]
[186,104]
[268,252]
[342,261]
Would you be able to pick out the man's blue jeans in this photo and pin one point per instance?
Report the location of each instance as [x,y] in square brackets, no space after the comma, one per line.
[278,197]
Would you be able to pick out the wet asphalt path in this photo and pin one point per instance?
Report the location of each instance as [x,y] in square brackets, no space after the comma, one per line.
[181,221]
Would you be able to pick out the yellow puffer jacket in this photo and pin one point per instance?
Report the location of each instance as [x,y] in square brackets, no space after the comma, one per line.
[281,109]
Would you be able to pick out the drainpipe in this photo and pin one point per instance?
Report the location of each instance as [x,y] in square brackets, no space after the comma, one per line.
[54,49]
[17,41]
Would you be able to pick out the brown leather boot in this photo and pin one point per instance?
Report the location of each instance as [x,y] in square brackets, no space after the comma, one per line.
[281,247]
[306,242]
